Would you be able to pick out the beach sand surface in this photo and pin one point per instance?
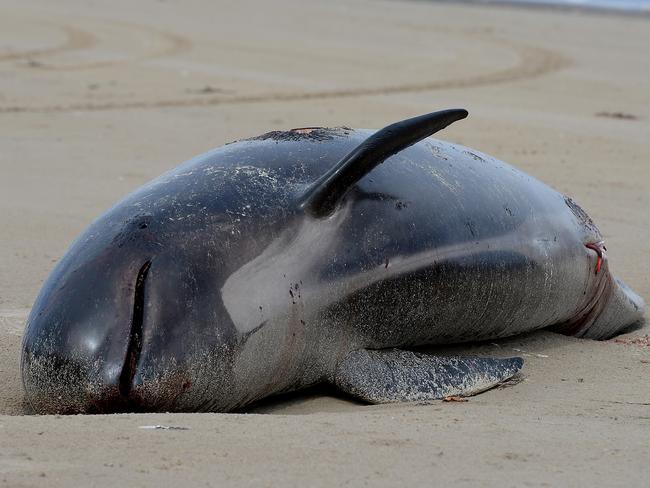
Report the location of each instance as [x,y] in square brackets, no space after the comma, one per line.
[96,98]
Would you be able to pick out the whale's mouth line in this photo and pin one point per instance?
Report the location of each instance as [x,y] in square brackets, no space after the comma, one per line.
[135,335]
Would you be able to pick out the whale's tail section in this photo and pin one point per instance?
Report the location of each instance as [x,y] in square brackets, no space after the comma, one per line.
[613,308]
[621,308]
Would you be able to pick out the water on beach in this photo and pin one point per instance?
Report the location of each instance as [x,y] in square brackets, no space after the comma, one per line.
[626,5]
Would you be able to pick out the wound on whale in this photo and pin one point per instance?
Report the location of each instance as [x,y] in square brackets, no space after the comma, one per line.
[315,255]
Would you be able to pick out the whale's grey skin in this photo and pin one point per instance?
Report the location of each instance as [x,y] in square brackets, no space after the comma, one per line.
[212,287]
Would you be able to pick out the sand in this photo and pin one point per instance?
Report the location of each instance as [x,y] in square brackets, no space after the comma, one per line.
[98,97]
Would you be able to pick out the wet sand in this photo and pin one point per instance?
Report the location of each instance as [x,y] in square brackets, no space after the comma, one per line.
[97,98]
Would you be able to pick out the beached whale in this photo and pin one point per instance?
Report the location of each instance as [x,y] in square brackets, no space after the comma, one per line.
[297,257]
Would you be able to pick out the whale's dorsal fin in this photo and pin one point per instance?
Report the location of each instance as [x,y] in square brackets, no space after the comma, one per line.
[323,196]
[395,375]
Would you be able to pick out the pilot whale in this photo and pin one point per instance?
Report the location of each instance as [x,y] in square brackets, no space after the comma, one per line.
[315,255]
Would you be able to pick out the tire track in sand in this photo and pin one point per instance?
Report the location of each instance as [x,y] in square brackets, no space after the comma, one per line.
[532,62]
[76,39]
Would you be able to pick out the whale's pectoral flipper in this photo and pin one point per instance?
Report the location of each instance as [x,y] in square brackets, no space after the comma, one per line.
[323,196]
[394,375]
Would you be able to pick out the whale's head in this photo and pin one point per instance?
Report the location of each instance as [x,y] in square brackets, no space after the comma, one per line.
[131,318]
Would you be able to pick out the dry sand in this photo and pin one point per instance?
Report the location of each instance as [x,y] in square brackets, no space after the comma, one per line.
[98,97]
